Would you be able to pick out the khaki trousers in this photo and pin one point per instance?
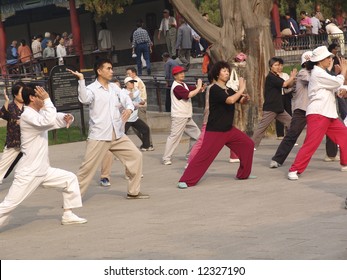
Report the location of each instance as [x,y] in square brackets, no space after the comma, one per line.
[178,127]
[124,149]
[170,39]
[268,118]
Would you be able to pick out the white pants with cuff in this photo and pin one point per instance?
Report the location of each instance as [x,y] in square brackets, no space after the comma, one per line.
[24,186]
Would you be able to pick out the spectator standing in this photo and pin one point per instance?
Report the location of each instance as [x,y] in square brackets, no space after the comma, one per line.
[12,53]
[45,40]
[321,114]
[105,38]
[316,24]
[56,40]
[142,45]
[181,114]
[49,52]
[305,23]
[184,43]
[335,33]
[168,26]
[36,47]
[319,14]
[168,66]
[293,25]
[61,50]
[24,52]
[273,107]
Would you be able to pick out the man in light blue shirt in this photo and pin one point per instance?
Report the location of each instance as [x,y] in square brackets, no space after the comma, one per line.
[106,128]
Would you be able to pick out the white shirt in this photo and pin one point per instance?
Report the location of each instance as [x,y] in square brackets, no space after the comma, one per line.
[331,28]
[180,108]
[321,93]
[104,109]
[316,25]
[165,24]
[105,38]
[136,99]
[61,51]
[34,128]
[36,48]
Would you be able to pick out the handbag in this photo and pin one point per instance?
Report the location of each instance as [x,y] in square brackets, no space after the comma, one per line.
[233,82]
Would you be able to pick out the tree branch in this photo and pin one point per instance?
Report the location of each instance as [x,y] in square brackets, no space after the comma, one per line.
[204,28]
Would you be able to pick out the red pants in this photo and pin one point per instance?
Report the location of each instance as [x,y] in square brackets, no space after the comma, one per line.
[317,127]
[213,142]
[198,144]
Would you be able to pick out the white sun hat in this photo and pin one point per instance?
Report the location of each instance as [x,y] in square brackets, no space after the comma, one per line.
[320,53]
[306,56]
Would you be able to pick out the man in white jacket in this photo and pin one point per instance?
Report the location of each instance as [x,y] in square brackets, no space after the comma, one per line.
[335,33]
[34,169]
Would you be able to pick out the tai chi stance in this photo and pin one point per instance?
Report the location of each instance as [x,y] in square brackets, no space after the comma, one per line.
[34,169]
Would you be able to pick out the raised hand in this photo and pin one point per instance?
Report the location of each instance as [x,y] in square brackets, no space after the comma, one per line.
[242,84]
[41,93]
[68,118]
[5,96]
[77,74]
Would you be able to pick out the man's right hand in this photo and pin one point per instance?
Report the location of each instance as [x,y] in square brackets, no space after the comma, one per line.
[41,93]
[77,74]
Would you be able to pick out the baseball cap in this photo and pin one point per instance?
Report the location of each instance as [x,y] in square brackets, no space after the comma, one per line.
[129,79]
[177,70]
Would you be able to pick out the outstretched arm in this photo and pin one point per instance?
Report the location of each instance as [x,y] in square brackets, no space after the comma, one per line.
[85,96]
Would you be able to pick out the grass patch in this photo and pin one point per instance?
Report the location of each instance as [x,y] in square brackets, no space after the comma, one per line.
[63,135]
[288,68]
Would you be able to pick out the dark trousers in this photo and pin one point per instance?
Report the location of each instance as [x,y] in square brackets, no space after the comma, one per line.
[297,125]
[168,100]
[287,103]
[143,130]
[140,49]
[330,146]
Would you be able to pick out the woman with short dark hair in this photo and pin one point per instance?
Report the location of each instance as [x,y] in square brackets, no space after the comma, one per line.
[273,107]
[220,130]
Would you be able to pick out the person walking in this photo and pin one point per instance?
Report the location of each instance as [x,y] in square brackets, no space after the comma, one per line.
[168,26]
[34,169]
[321,114]
[106,128]
[181,113]
[142,45]
[220,130]
[184,43]
[273,107]
[11,113]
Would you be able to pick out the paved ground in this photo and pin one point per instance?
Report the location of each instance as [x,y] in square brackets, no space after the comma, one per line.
[221,218]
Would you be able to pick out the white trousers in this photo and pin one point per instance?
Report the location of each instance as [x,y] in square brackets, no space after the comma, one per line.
[24,186]
[7,158]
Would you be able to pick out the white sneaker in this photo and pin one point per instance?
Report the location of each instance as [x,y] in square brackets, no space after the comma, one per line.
[234,160]
[71,219]
[275,164]
[330,159]
[167,162]
[293,175]
[343,168]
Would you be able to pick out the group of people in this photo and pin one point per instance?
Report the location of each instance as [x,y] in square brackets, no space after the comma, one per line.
[181,41]
[50,46]
[313,26]
[32,114]
[113,110]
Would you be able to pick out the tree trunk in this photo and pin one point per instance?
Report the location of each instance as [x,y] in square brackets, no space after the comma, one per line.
[246,28]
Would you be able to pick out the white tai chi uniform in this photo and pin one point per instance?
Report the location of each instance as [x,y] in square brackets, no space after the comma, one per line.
[34,168]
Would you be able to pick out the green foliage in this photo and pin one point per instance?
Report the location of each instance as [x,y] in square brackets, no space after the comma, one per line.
[104,7]
[64,135]
[212,8]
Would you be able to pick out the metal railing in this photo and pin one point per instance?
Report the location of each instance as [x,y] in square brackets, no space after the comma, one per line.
[290,48]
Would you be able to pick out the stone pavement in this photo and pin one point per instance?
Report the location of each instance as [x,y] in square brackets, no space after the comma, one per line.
[221,218]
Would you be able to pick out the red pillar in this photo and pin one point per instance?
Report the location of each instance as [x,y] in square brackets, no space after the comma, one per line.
[76,31]
[2,48]
[275,15]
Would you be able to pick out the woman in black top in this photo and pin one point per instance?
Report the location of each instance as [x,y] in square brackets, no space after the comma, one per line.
[220,130]
[273,103]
